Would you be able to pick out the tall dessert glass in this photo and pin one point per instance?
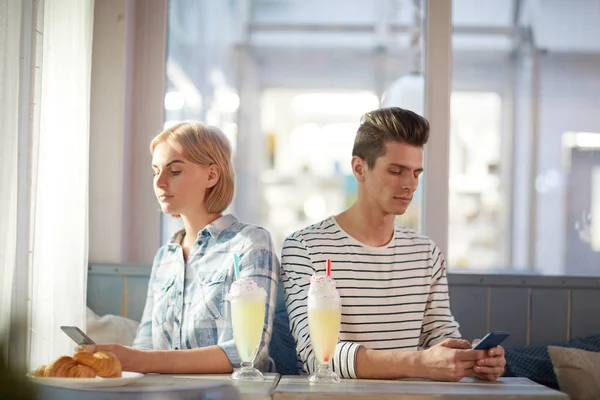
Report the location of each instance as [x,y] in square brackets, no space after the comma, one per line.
[247,319]
[324,318]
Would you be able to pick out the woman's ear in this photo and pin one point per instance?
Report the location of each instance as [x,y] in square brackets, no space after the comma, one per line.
[358,168]
[213,175]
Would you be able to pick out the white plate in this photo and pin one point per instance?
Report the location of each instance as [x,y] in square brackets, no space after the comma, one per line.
[125,379]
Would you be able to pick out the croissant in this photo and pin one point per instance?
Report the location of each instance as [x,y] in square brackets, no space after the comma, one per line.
[104,363]
[66,367]
[40,371]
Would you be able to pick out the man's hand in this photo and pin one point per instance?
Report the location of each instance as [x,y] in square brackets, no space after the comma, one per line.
[450,360]
[492,366]
[131,359]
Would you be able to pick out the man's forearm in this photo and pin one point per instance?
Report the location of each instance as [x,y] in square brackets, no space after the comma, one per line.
[204,360]
[388,364]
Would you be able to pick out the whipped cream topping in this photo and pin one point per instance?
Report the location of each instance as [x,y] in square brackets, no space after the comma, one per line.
[322,292]
[246,288]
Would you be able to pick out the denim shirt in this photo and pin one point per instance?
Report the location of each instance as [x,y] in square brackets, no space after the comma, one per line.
[186,305]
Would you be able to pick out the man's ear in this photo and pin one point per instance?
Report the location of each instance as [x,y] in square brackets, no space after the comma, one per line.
[213,175]
[359,168]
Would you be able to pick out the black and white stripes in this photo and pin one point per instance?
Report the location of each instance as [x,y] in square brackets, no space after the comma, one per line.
[394,297]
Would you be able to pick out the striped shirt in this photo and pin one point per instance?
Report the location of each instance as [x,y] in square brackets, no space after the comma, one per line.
[394,297]
[186,305]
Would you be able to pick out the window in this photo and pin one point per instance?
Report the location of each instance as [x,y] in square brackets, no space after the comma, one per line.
[525,79]
[475,238]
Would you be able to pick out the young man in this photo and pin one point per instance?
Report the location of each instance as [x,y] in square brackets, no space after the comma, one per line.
[396,319]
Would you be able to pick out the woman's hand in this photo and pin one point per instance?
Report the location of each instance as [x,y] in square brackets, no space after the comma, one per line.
[131,359]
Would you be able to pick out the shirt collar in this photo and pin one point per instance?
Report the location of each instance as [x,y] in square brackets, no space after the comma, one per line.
[213,229]
[220,224]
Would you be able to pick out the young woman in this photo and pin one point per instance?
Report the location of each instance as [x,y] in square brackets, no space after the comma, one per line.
[186,325]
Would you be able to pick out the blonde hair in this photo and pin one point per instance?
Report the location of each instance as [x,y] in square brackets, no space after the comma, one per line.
[204,144]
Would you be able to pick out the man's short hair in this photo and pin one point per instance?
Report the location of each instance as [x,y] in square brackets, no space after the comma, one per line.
[384,125]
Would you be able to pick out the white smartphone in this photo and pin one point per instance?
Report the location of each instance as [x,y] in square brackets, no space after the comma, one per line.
[77,335]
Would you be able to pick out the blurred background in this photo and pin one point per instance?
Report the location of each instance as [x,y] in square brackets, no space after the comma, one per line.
[524,126]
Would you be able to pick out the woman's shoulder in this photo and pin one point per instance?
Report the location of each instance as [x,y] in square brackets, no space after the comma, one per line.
[251,232]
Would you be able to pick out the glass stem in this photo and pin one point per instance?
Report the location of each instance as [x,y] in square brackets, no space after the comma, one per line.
[246,365]
[323,369]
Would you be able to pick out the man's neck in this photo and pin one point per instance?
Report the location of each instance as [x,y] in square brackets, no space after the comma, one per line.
[367,224]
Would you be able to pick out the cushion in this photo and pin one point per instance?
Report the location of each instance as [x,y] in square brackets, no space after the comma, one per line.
[111,328]
[282,348]
[578,372]
[533,362]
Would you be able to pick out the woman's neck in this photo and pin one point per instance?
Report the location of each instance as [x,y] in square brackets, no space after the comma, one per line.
[193,224]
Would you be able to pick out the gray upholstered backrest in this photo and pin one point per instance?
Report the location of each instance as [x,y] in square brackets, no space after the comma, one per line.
[534,309]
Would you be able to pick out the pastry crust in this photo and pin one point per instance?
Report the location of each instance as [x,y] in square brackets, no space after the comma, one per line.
[40,371]
[83,364]
[66,367]
[104,363]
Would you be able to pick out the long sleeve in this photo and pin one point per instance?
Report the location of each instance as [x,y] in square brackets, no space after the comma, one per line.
[143,336]
[297,269]
[438,322]
[258,261]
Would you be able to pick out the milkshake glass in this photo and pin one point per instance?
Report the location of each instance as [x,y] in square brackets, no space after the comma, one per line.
[247,320]
[324,318]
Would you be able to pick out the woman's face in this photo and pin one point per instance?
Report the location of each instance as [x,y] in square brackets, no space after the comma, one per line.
[179,184]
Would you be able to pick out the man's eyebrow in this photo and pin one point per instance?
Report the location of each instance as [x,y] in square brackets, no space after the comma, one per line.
[404,167]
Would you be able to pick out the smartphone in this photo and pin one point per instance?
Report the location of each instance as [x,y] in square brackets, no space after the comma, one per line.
[77,335]
[490,340]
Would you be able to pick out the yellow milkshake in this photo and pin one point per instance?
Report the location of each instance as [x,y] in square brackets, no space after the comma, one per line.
[324,327]
[324,319]
[247,320]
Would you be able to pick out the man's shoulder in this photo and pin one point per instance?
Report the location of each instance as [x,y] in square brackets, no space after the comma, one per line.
[326,226]
[405,234]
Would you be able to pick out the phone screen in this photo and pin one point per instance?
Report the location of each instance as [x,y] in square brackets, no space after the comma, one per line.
[77,335]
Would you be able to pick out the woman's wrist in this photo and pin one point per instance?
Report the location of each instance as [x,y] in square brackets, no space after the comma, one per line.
[143,360]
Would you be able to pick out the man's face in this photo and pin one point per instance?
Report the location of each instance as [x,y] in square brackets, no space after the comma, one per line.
[391,182]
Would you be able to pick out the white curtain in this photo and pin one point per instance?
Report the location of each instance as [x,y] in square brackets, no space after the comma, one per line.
[60,244]
[10,32]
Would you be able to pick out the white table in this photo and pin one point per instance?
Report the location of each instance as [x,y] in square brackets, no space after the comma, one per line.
[173,387]
[261,390]
[298,388]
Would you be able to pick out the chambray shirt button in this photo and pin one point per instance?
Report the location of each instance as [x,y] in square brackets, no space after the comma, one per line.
[179,293]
